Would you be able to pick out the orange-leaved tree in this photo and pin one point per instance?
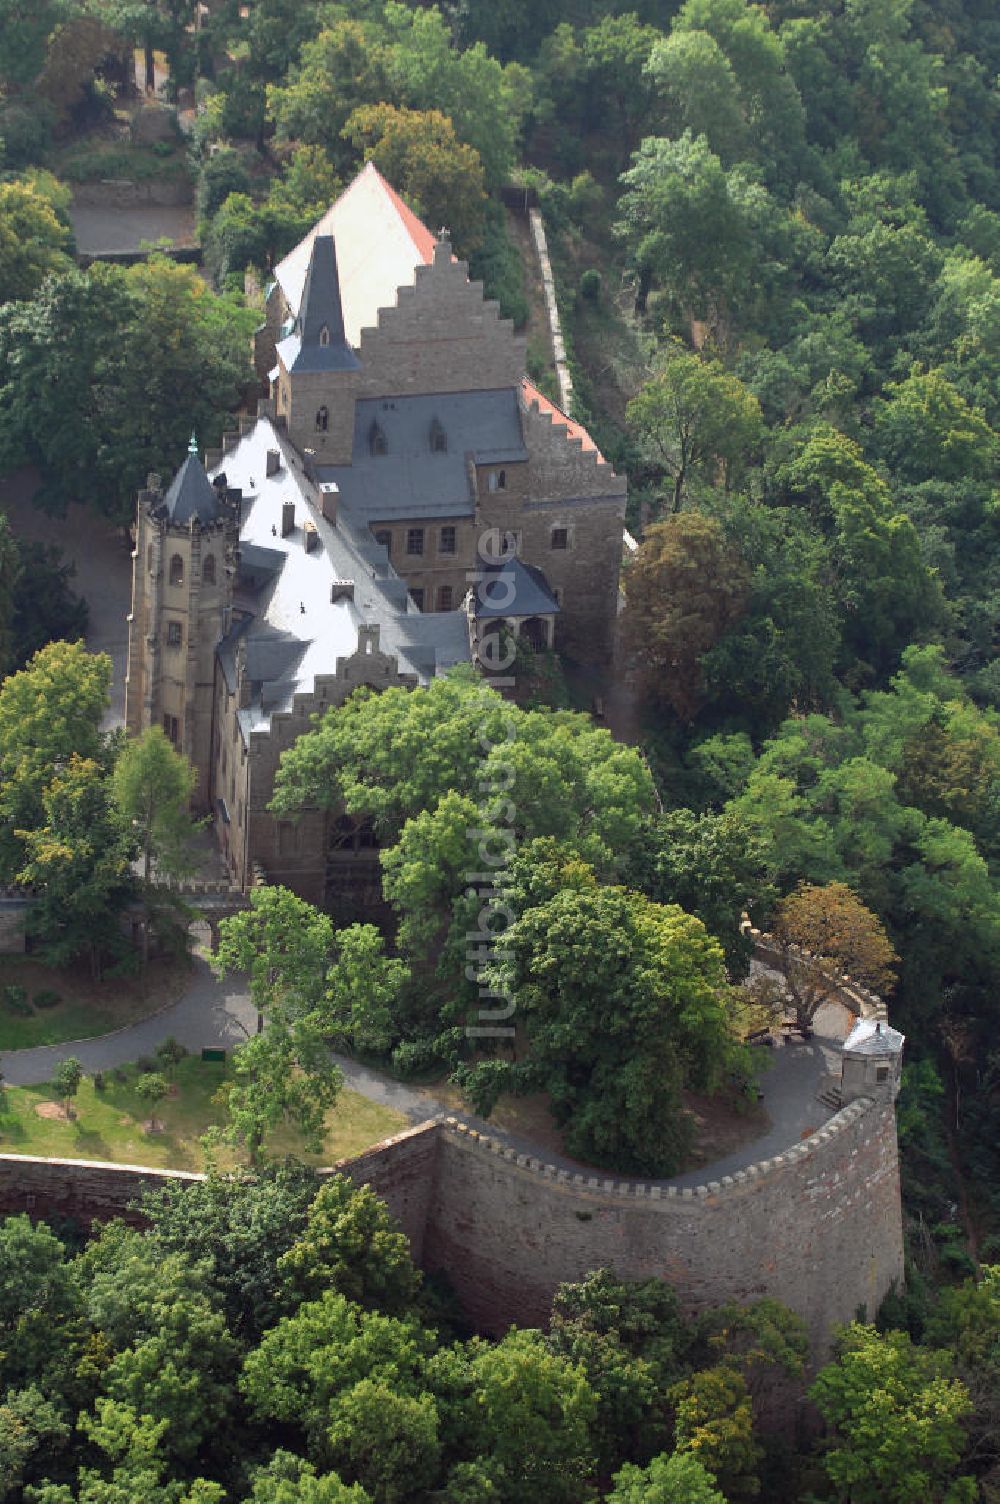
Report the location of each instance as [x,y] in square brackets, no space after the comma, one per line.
[841,936]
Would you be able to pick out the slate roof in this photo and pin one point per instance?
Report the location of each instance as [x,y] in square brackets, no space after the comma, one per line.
[294,631]
[320,314]
[514,588]
[380,244]
[191,494]
[413,480]
[872,1037]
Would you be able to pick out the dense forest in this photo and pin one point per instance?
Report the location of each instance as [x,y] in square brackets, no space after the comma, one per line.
[776,233]
[267,1337]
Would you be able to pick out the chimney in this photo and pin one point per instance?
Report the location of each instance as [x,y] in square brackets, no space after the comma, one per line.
[273,461]
[331,496]
[310,536]
[287,518]
[342,590]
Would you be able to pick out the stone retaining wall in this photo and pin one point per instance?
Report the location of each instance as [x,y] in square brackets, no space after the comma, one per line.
[818,1226]
[126,193]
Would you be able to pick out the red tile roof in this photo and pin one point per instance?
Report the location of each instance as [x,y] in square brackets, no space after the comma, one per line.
[574,429]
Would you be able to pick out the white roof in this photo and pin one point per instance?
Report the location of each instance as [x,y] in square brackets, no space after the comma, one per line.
[872,1036]
[380,243]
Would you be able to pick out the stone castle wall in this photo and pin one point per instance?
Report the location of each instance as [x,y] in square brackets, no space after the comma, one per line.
[818,1227]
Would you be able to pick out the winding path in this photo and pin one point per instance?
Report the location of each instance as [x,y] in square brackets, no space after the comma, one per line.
[220,1014]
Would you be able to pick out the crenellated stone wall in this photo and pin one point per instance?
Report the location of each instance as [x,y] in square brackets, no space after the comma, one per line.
[818,1226]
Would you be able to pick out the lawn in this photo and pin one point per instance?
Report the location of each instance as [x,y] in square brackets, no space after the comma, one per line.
[109,1124]
[84,1007]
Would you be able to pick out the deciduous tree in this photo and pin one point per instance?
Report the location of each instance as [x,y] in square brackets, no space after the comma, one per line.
[419,153]
[841,933]
[697,420]
[685,588]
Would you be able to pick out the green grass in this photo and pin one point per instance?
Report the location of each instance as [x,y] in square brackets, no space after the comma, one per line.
[87,1008]
[108,1124]
[87,162]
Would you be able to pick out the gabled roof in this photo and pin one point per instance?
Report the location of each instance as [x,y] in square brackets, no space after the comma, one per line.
[317,342]
[380,244]
[191,494]
[523,591]
[412,479]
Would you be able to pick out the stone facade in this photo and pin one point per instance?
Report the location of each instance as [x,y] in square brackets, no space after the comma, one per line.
[397,525]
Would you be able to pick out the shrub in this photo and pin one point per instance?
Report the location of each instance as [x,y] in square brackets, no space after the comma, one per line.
[590,285]
[98,1080]
[16,999]
[146,1065]
[224,173]
[119,1074]
[47,998]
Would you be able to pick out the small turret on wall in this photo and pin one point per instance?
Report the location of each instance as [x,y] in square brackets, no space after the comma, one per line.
[871,1061]
[181,606]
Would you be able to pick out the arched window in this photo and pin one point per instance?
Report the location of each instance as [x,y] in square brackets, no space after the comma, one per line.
[176,569]
[377,440]
[324,335]
[208,570]
[502,480]
[322,419]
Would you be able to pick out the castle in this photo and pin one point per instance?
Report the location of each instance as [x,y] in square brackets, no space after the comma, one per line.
[405,500]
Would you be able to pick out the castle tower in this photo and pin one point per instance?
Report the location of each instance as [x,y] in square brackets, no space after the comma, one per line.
[181,605]
[317,372]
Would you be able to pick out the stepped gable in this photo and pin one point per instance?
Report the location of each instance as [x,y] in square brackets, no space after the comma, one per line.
[191,496]
[380,244]
[534,398]
[317,342]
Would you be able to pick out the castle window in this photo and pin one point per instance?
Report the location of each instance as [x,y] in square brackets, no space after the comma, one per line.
[415,540]
[384,536]
[171,729]
[322,419]
[173,634]
[324,335]
[417,596]
[881,1073]
[559,537]
[447,540]
[377,440]
[497,480]
[445,597]
[208,570]
[176,569]
[439,439]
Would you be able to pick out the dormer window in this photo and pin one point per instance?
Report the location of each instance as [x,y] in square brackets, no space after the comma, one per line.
[439,439]
[322,419]
[377,440]
[324,335]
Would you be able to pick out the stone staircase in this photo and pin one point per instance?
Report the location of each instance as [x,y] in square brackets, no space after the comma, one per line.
[830,1094]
